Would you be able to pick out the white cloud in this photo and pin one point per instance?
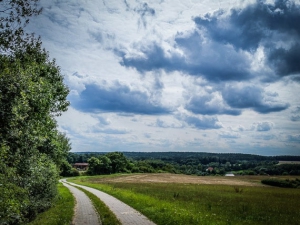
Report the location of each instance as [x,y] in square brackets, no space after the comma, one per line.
[88,38]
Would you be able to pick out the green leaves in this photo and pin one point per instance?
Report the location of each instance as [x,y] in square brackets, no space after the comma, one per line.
[113,162]
[32,93]
[14,16]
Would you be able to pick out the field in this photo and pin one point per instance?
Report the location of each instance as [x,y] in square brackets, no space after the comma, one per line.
[180,178]
[181,199]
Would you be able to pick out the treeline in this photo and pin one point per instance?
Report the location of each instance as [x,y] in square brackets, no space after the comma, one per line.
[32,94]
[191,163]
[202,157]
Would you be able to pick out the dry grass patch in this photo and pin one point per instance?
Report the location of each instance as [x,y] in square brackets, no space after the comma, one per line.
[180,178]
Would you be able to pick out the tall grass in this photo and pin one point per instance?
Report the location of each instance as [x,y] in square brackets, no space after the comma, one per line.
[175,204]
[62,211]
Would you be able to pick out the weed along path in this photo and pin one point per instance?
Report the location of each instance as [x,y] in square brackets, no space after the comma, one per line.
[85,213]
[125,214]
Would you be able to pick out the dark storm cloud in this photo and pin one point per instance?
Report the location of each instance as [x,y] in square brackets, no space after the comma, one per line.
[295,78]
[260,24]
[285,61]
[197,61]
[201,123]
[203,105]
[252,97]
[153,58]
[118,98]
[247,28]
[217,48]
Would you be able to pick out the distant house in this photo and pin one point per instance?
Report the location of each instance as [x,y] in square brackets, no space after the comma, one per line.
[81,166]
[210,169]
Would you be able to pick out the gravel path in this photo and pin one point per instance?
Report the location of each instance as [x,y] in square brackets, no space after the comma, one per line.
[126,214]
[85,213]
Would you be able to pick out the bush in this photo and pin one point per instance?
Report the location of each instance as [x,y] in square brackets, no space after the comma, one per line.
[282,183]
[14,201]
[66,170]
[74,172]
[41,184]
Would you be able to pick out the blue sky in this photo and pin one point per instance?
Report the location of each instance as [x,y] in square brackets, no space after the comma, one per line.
[167,75]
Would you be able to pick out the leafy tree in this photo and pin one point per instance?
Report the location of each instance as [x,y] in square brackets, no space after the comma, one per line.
[119,163]
[105,165]
[144,167]
[14,16]
[94,166]
[66,170]
[32,94]
[99,165]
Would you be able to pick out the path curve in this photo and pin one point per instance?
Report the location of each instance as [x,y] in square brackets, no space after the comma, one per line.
[85,213]
[126,214]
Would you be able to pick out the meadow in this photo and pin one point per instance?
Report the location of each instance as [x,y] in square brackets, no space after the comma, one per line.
[175,203]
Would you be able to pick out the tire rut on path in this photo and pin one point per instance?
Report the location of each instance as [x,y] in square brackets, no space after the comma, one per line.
[85,213]
[126,214]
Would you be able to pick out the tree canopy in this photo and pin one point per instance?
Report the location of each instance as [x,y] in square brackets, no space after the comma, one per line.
[14,16]
[32,94]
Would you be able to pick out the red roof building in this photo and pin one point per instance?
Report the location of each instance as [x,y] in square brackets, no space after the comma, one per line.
[210,169]
[81,166]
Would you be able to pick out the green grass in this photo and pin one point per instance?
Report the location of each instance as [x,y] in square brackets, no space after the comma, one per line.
[62,211]
[175,204]
[106,216]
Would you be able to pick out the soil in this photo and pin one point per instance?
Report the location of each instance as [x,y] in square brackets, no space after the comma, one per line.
[180,178]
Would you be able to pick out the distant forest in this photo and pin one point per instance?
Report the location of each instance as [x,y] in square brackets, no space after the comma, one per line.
[191,163]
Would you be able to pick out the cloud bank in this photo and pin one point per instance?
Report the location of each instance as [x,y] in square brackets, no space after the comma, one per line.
[215,76]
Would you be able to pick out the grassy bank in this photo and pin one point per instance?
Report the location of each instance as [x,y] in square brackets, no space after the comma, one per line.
[174,203]
[62,211]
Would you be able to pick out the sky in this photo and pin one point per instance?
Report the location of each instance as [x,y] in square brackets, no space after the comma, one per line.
[217,76]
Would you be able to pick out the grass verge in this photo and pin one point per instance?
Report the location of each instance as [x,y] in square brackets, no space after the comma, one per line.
[106,215]
[175,203]
[62,211]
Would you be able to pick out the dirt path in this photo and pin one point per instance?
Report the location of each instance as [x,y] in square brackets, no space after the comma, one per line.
[126,214]
[85,213]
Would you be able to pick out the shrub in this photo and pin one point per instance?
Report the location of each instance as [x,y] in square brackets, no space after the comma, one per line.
[66,170]
[74,172]
[14,201]
[41,184]
[282,183]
